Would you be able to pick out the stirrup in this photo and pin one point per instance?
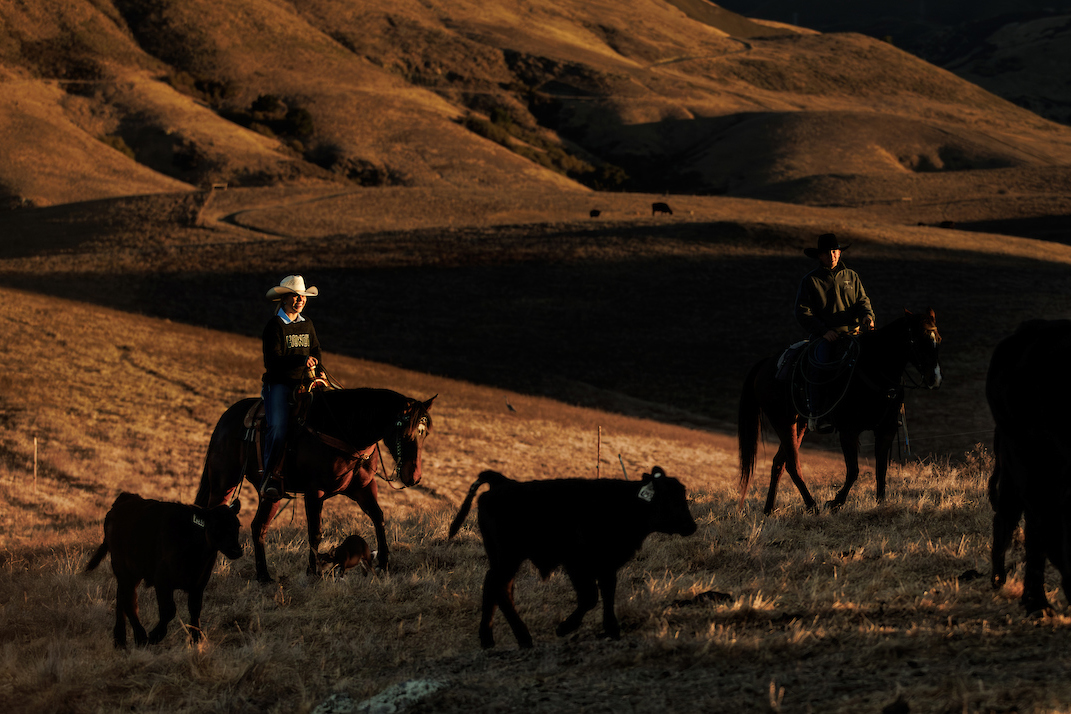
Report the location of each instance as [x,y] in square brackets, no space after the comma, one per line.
[272,488]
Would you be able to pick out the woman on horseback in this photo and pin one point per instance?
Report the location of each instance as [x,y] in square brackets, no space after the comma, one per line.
[291,351]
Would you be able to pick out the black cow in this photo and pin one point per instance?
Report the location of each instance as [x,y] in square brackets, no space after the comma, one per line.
[171,547]
[590,528]
[1027,388]
[660,207]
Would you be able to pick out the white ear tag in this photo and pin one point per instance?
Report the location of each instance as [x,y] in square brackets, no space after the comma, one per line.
[647,492]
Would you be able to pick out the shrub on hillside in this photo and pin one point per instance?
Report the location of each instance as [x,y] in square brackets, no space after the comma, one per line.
[116,142]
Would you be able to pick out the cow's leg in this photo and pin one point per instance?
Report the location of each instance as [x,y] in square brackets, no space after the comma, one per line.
[126,608]
[1007,510]
[367,499]
[608,590]
[849,444]
[266,511]
[509,611]
[1033,598]
[587,597]
[194,604]
[795,469]
[490,602]
[314,507]
[498,592]
[165,599]
[883,440]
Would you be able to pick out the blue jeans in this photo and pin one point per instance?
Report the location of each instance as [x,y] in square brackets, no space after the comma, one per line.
[277,421]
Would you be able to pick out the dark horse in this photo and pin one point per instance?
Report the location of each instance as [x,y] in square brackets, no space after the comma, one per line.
[334,453]
[1027,389]
[871,402]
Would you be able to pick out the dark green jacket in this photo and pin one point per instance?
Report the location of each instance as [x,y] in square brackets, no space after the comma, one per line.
[832,300]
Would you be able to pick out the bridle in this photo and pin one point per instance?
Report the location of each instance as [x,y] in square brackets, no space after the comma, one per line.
[916,357]
[402,425]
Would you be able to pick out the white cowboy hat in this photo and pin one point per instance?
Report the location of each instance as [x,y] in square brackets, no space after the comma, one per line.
[292,284]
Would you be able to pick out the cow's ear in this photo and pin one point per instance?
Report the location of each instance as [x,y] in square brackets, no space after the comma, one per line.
[236,506]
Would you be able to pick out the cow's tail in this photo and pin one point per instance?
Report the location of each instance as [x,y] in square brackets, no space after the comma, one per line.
[97,557]
[493,478]
[748,429]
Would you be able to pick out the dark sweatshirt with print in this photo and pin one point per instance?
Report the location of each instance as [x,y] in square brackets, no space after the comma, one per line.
[287,348]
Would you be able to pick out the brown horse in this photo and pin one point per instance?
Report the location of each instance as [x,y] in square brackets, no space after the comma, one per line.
[871,402]
[335,452]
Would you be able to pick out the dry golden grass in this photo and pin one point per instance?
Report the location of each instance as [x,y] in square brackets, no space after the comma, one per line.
[133,323]
[847,612]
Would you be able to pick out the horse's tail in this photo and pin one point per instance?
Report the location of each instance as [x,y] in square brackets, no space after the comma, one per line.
[97,557]
[225,458]
[749,427]
[493,478]
[204,491]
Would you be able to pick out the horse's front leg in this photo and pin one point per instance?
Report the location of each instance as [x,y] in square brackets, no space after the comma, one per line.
[367,498]
[849,444]
[266,511]
[314,507]
[883,440]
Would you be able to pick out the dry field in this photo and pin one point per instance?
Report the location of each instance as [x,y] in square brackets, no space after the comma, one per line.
[424,182]
[132,331]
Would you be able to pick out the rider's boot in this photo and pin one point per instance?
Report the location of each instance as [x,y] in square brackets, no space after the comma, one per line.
[272,488]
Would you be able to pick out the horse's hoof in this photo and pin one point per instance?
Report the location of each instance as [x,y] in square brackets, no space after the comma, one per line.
[834,505]
[265,580]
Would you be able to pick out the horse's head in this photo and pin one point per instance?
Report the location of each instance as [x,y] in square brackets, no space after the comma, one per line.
[406,439]
[925,346]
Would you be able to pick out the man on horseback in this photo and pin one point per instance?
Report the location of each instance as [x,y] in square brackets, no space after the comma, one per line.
[831,304]
[291,352]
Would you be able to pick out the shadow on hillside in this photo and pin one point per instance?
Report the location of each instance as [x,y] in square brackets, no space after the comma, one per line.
[1054,229]
[679,331]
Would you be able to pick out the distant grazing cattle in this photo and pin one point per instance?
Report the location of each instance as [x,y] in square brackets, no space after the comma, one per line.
[595,213]
[590,528]
[1027,388]
[171,547]
[350,553]
[660,207]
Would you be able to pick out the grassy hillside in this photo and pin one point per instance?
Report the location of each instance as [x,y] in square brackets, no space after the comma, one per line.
[432,168]
[642,96]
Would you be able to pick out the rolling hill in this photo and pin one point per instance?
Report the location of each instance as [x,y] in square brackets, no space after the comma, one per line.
[115,98]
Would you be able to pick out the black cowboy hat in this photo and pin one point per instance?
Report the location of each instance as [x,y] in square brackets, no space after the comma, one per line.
[826,243]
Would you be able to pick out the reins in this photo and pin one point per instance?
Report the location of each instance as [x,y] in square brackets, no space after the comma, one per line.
[343,446]
[838,369]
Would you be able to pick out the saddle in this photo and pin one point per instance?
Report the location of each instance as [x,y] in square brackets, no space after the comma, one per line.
[300,403]
[818,387]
